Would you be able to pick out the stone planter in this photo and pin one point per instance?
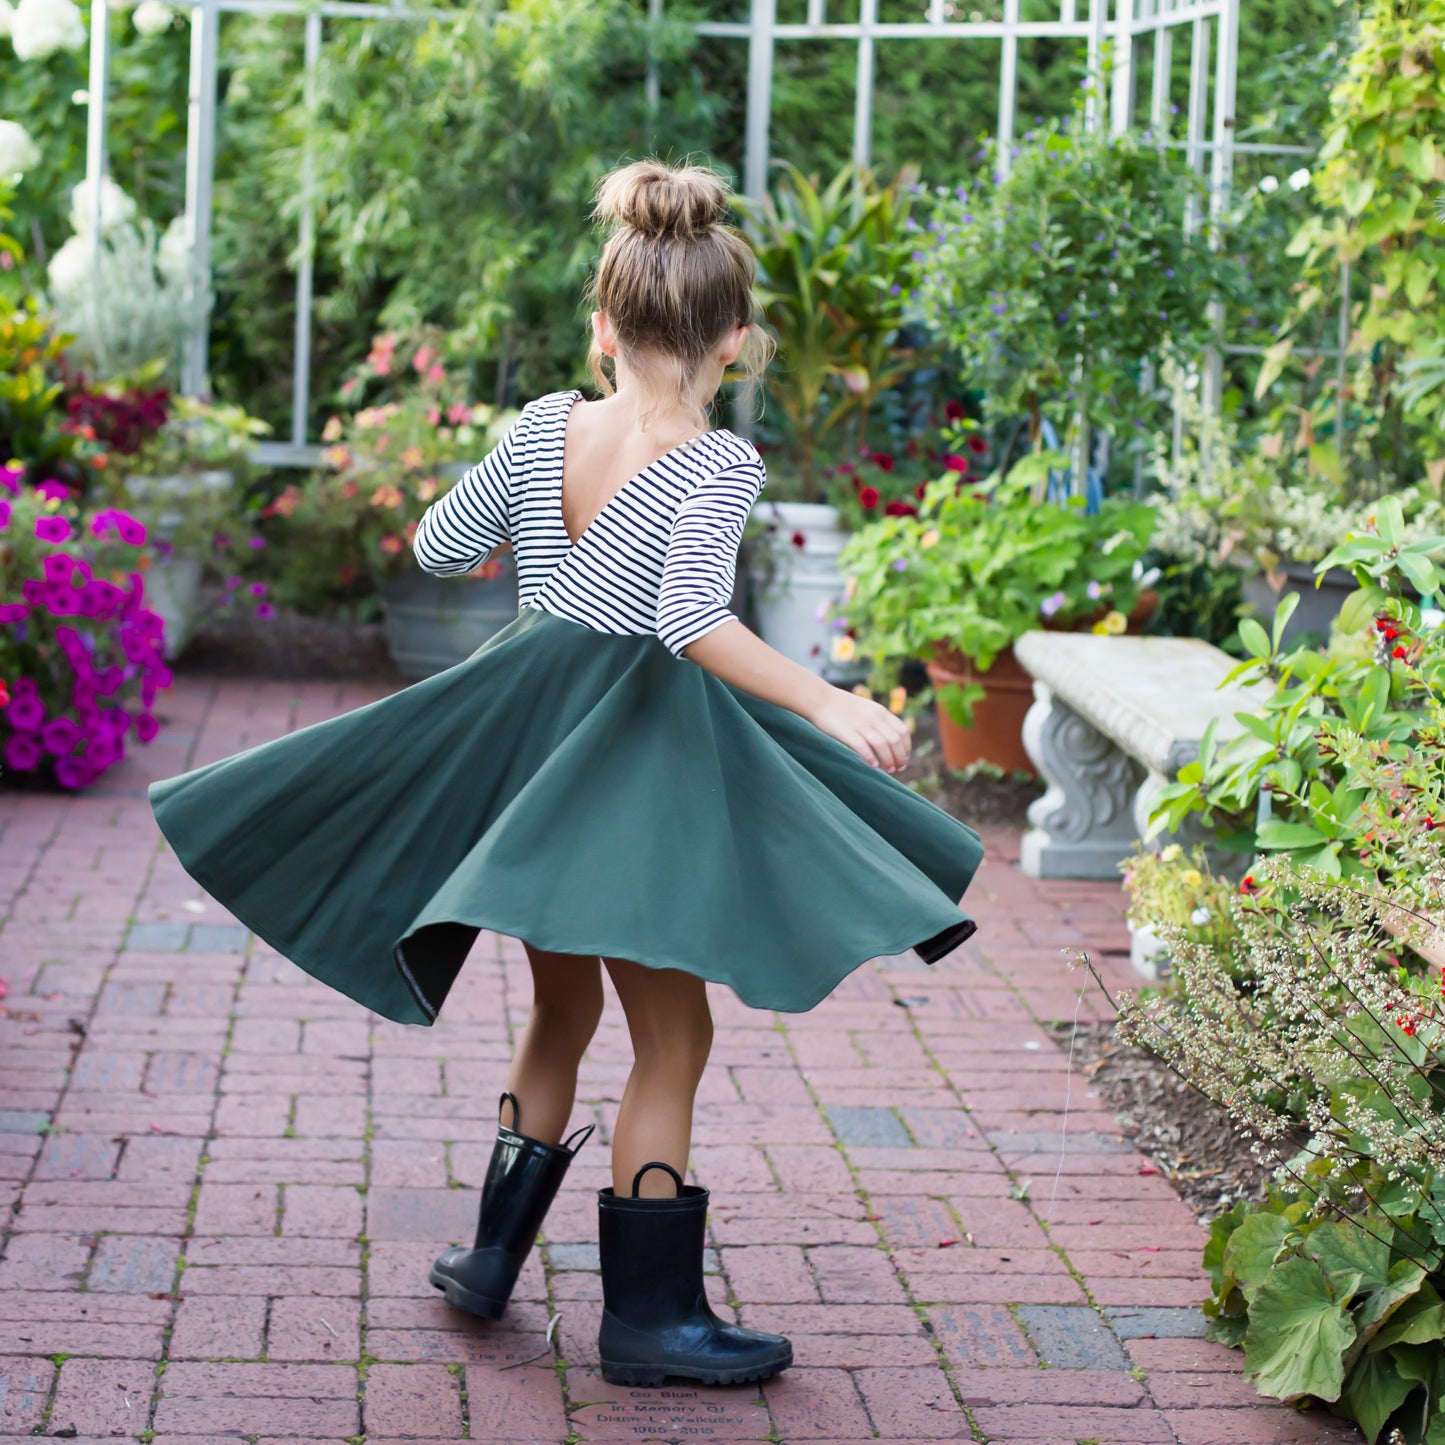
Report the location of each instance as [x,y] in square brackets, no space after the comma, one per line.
[796,577]
[1318,606]
[1148,953]
[433,623]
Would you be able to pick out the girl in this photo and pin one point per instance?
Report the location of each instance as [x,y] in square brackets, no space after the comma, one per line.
[625,774]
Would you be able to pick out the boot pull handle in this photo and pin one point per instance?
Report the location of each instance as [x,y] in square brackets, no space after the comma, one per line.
[585,1131]
[516,1124]
[656,1164]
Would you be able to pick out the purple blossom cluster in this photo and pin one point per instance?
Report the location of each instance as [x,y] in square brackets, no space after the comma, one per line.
[88,649]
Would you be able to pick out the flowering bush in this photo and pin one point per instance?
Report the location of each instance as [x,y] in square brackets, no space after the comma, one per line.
[890,484]
[982,564]
[1179,888]
[386,463]
[79,649]
[1059,277]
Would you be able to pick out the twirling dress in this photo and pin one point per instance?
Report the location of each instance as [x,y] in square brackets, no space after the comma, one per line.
[577,782]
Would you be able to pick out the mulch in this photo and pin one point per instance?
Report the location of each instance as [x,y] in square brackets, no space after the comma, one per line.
[1191,1139]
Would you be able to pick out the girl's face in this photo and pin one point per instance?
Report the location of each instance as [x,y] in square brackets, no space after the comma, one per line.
[721,357]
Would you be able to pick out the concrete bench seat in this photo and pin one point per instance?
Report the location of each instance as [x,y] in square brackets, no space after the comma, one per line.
[1113,721]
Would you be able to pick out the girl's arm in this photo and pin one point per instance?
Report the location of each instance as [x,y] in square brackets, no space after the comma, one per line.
[695,621]
[471,523]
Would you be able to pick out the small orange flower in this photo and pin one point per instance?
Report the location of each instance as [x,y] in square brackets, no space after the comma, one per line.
[413,458]
[392,545]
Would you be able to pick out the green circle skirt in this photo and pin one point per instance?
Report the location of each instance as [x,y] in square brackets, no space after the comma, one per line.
[589,793]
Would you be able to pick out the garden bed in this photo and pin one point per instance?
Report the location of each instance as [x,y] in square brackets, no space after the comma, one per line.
[979,798]
[1190,1139]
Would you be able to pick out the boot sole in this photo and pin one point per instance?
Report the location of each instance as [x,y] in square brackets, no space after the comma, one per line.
[460,1297]
[651,1375]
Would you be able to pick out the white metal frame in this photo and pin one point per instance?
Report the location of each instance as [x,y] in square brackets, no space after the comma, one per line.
[1113,42]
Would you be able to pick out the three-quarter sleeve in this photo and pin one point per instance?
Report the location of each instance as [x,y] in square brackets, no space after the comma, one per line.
[463,525]
[695,595]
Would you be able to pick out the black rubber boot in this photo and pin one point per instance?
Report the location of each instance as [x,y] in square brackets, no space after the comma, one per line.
[656,1320]
[522,1180]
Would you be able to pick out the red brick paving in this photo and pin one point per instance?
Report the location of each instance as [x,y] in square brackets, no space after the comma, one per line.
[227,1182]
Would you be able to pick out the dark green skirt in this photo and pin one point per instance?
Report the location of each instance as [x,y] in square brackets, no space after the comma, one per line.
[590,794]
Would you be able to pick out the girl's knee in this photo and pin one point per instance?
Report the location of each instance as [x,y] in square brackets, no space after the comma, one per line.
[680,1043]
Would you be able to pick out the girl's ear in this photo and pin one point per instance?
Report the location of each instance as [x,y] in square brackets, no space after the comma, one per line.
[732,345]
[603,334]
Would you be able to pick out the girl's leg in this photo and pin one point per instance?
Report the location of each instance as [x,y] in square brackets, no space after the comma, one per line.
[671,1027]
[566,1005]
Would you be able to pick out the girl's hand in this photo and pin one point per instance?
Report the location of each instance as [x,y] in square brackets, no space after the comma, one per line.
[874,733]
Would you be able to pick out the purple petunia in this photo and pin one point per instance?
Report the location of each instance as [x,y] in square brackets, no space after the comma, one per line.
[22,753]
[52,529]
[10,477]
[1050,605]
[13,612]
[146,727]
[74,773]
[60,736]
[25,712]
[4,514]
[53,491]
[132,533]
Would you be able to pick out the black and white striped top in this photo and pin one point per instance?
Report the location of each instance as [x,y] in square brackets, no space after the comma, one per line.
[660,556]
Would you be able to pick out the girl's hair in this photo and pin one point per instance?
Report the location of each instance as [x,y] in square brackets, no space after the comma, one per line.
[674,279]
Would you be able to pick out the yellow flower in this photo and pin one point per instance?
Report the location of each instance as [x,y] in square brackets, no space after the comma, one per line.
[849,588]
[1112,625]
[897,700]
[385,496]
[929,538]
[1172,854]
[339,458]
[863,690]
[844,648]
[1191,878]
[413,457]
[426,489]
[331,432]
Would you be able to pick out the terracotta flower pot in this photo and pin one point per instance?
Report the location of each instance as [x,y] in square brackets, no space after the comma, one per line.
[998,717]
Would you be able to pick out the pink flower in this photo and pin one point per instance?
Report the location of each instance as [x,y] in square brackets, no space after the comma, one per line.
[14,612]
[424,357]
[132,533]
[58,567]
[101,523]
[957,464]
[146,727]
[436,374]
[52,490]
[52,529]
[10,478]
[458,413]
[265,609]
[256,544]
[4,514]
[257,589]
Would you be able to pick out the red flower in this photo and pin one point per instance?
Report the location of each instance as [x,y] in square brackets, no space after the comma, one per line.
[4,694]
[919,490]
[799,541]
[955,463]
[977,445]
[953,410]
[1398,652]
[857,482]
[868,497]
[884,460]
[1249,886]
[900,509]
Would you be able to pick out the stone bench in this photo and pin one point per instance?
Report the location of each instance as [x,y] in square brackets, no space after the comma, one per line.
[1113,721]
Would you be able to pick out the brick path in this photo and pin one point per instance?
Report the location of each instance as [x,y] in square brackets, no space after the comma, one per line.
[228,1181]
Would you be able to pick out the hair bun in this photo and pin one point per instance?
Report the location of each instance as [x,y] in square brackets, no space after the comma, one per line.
[663,200]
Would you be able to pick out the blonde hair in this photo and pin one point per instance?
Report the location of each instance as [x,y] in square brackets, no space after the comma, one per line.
[674,280]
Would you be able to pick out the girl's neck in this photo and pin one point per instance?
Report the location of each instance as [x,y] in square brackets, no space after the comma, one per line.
[669,426]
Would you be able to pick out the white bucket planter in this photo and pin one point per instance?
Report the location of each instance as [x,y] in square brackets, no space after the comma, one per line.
[1148,953]
[797,582]
[173,584]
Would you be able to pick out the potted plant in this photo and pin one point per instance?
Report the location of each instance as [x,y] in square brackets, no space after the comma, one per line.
[1272,509]
[385,465]
[182,484]
[978,567]
[835,266]
[80,651]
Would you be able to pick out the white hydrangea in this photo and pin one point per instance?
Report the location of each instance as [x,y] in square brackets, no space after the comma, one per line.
[116,208]
[70,268]
[17,151]
[7,18]
[152,16]
[39,28]
[173,255]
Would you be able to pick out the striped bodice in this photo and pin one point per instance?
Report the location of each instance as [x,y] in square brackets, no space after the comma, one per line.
[660,556]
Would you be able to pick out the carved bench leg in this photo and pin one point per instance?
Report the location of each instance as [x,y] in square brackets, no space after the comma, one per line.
[1083,827]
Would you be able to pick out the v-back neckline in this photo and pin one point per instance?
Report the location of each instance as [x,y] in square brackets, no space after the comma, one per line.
[572,544]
